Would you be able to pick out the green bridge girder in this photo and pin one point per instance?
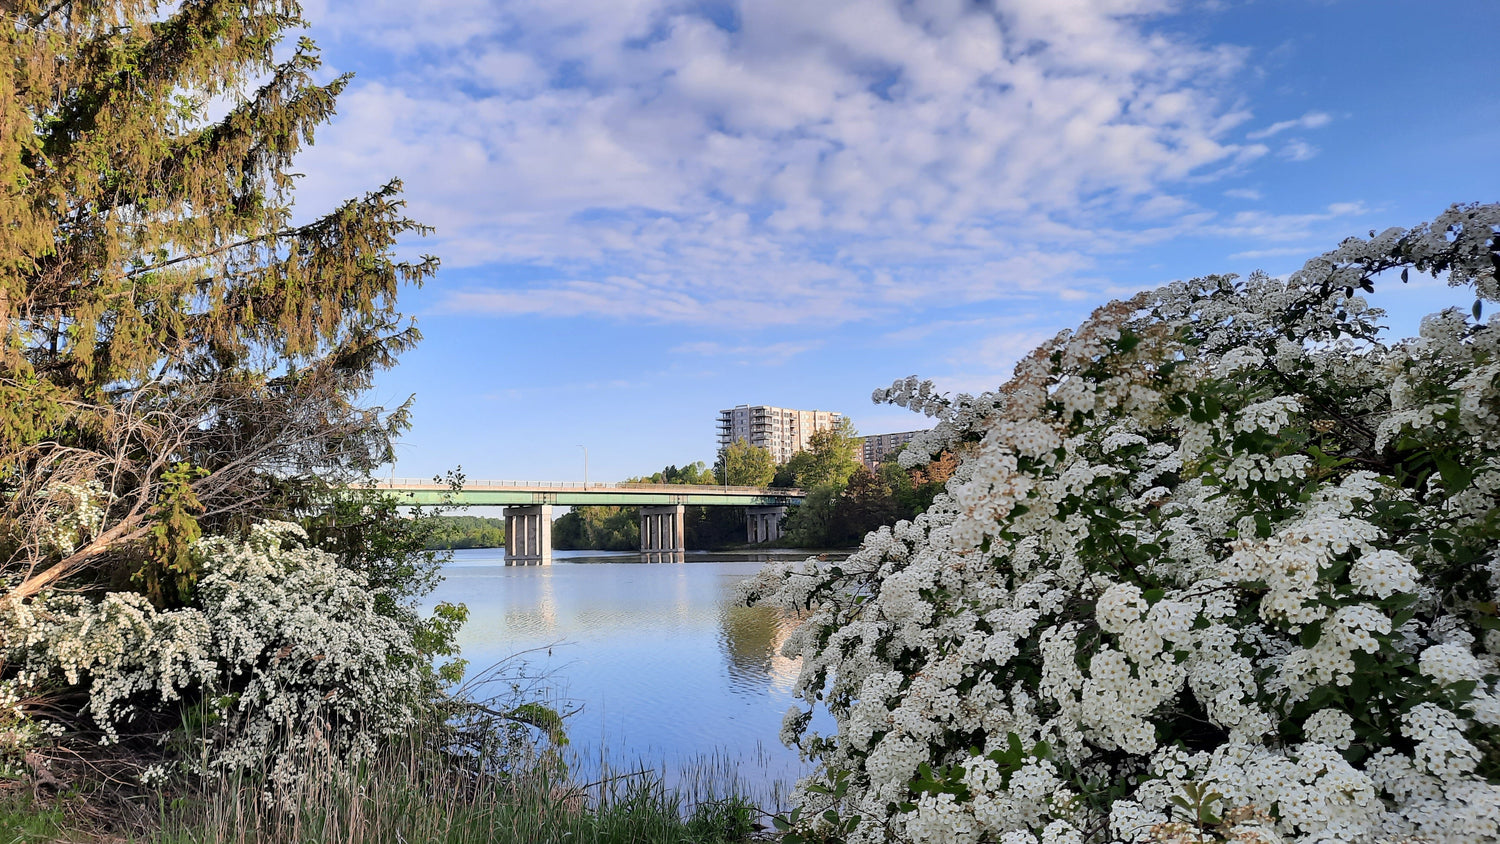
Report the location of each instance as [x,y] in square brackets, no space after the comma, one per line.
[502,494]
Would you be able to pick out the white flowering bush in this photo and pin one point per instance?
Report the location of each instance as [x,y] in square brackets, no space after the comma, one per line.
[283,642]
[1220,565]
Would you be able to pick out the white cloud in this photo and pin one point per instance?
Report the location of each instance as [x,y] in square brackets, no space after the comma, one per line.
[1298,150]
[1243,193]
[813,162]
[760,354]
[1265,227]
[1002,351]
[1279,252]
[1311,120]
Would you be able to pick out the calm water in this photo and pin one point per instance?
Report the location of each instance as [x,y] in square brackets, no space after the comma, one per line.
[667,668]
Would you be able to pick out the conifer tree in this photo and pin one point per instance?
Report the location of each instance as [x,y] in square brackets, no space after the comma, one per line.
[177,346]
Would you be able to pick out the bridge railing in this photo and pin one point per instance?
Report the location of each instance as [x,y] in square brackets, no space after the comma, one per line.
[428,483]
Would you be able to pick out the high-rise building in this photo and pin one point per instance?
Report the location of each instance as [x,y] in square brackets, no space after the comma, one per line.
[779,430]
[877,447]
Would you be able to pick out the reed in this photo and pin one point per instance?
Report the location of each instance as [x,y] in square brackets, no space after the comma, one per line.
[415,792]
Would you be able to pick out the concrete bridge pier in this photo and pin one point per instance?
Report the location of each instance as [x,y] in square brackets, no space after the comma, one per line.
[663,529]
[763,524]
[528,535]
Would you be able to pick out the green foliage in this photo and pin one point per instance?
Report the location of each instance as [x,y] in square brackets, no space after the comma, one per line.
[742,464]
[709,528]
[415,793]
[914,489]
[607,528]
[693,473]
[829,459]
[385,538]
[401,557]
[839,516]
[727,820]
[157,308]
[170,572]
[454,532]
[814,522]
[24,819]
[865,504]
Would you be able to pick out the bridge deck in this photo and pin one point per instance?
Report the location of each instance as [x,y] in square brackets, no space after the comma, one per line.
[515,493]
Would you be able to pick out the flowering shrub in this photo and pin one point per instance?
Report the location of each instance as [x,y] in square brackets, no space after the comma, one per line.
[282,639]
[1220,565]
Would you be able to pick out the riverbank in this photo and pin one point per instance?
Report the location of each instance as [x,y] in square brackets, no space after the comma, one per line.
[395,801]
[766,547]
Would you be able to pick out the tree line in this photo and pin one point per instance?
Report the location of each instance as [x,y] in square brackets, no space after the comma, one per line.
[845,500]
[450,533]
[618,527]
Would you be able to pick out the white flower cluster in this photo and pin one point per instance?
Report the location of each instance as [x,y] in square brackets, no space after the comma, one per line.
[283,635]
[1221,566]
[74,514]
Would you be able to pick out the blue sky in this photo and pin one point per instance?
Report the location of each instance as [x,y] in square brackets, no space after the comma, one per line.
[649,210]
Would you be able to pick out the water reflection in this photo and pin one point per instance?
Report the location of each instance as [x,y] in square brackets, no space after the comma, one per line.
[665,662]
[752,638]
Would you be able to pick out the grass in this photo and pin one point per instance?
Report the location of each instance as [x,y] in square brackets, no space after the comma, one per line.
[395,803]
[490,777]
[419,790]
[24,819]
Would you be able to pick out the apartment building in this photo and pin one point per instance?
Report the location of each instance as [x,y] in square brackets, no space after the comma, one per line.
[876,447]
[780,430]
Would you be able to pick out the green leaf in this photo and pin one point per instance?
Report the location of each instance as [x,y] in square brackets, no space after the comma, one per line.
[1455,476]
[1311,634]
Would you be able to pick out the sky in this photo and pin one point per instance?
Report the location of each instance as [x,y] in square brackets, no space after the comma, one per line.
[648,211]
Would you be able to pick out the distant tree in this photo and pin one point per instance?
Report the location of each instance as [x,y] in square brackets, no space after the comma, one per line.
[830,458]
[814,522]
[913,489]
[788,472]
[866,503]
[742,464]
[692,473]
[706,527]
[695,473]
[467,532]
[836,515]
[603,528]
[709,528]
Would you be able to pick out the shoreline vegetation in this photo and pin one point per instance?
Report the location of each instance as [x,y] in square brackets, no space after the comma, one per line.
[845,500]
[414,789]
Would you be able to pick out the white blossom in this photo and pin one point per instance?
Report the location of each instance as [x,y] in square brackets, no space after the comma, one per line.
[1218,540]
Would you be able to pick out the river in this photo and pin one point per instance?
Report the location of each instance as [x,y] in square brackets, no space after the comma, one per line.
[664,666]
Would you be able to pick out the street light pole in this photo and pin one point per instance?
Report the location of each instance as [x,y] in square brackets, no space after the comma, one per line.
[585,466]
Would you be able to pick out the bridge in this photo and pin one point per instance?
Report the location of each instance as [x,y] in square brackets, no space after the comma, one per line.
[528,509]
